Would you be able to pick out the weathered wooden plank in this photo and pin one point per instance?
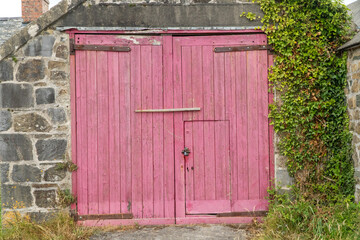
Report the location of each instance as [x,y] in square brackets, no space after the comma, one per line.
[158,131]
[242,126]
[136,146]
[147,132]
[263,125]
[187,90]
[253,124]
[197,81]
[178,133]
[114,133]
[210,160]
[103,131]
[168,150]
[82,147]
[230,102]
[125,134]
[199,161]
[92,127]
[189,162]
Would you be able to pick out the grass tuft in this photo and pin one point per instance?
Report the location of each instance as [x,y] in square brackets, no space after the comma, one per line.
[293,217]
[61,227]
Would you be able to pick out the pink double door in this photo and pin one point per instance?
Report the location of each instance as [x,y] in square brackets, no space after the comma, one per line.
[170,128]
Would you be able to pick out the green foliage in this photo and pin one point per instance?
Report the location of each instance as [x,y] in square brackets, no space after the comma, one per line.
[293,217]
[67,165]
[65,198]
[310,110]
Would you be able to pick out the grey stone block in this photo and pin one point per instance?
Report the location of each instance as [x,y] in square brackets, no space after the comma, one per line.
[45,96]
[52,149]
[41,217]
[54,175]
[31,71]
[15,147]
[16,196]
[283,178]
[4,173]
[6,70]
[16,95]
[45,198]
[5,120]
[40,46]
[26,173]
[62,52]
[31,122]
[358,100]
[57,115]
[59,76]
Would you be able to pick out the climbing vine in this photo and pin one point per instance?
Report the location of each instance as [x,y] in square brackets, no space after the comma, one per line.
[309,78]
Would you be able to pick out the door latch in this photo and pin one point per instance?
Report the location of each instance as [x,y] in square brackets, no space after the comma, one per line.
[186,151]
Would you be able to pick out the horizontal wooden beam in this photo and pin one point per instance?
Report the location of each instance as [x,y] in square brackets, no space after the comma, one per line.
[168,110]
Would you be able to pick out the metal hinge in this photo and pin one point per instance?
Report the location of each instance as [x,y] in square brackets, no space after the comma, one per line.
[74,47]
[103,216]
[242,48]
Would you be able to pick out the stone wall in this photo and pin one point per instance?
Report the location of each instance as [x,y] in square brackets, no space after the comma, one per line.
[8,26]
[35,124]
[353,100]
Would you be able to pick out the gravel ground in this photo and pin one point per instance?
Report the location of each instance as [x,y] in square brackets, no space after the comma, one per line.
[194,232]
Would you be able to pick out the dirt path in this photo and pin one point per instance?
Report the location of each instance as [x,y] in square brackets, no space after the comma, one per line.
[177,232]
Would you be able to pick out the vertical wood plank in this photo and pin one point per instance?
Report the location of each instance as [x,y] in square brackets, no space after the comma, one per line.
[92,126]
[209,129]
[210,164]
[169,191]
[198,141]
[178,134]
[187,91]
[253,124]
[124,111]
[197,81]
[147,134]
[199,161]
[242,125]
[114,132]
[189,162]
[230,102]
[219,86]
[136,145]
[158,131]
[82,143]
[263,124]
[221,160]
[103,131]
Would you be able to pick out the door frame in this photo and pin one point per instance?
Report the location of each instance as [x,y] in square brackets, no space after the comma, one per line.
[180,215]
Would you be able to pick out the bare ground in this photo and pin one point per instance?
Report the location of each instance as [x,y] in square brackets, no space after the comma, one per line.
[193,232]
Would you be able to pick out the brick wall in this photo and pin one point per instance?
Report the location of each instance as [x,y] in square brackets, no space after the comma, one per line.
[32,9]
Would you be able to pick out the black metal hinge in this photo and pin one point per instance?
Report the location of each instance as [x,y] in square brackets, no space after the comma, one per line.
[74,47]
[242,48]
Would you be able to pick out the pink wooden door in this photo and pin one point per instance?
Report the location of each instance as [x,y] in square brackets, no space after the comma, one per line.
[231,90]
[131,162]
[125,158]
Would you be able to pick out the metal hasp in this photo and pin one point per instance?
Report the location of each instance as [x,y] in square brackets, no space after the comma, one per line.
[74,47]
[168,110]
[186,151]
[242,48]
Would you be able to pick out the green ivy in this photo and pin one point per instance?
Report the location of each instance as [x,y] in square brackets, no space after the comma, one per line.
[310,112]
